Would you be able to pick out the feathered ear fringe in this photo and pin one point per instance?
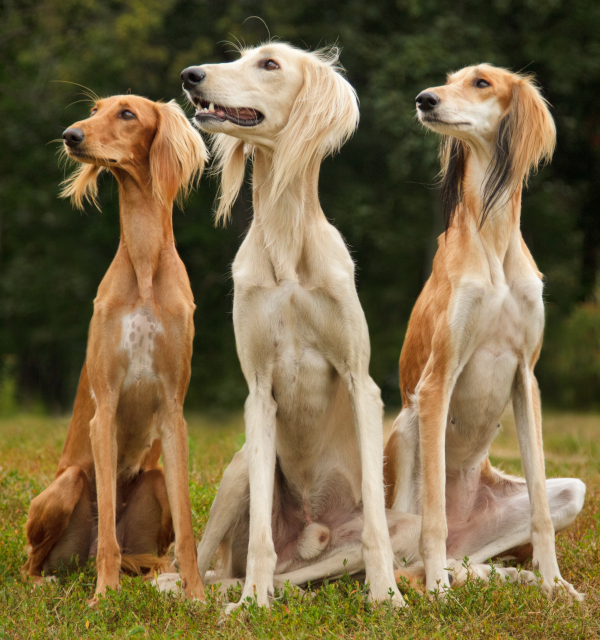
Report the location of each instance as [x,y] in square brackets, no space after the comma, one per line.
[324,116]
[82,185]
[230,163]
[453,160]
[177,155]
[526,138]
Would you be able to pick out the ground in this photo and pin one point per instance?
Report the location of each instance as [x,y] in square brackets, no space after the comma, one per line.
[30,448]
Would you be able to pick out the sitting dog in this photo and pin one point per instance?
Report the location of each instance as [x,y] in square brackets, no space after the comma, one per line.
[308,484]
[474,337]
[109,497]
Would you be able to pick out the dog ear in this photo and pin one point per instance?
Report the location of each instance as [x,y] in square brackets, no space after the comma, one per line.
[177,155]
[526,137]
[82,185]
[453,160]
[230,163]
[324,115]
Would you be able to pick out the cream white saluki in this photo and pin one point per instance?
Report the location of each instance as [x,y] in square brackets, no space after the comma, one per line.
[313,414]
[303,499]
[474,337]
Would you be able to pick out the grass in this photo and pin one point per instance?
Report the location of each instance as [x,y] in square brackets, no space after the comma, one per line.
[29,453]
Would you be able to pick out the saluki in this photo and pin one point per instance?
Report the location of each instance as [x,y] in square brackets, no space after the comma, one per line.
[473,339]
[311,472]
[303,499]
[137,369]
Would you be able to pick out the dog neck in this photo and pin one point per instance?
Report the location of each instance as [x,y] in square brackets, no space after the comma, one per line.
[502,221]
[146,230]
[283,223]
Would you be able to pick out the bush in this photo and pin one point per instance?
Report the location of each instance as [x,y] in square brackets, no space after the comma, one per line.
[574,359]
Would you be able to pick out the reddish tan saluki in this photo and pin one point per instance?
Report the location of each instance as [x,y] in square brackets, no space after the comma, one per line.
[109,497]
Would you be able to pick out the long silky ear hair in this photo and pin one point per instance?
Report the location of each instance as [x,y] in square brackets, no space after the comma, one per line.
[324,116]
[230,163]
[177,155]
[82,185]
[525,138]
[453,161]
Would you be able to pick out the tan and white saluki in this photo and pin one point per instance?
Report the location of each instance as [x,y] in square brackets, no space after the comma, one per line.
[109,498]
[303,498]
[473,340]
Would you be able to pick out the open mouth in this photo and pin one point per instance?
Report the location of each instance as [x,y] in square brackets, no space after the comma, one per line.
[242,116]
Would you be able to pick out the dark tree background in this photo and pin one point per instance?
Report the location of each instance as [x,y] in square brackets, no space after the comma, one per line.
[380,191]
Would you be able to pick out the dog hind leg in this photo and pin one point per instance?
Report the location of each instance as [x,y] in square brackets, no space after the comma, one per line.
[229,504]
[59,524]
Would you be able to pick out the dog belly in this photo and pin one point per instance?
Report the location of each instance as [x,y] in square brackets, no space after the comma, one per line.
[137,426]
[304,388]
[316,445]
[480,396]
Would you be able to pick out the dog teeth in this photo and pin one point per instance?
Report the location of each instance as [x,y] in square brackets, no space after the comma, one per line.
[211,106]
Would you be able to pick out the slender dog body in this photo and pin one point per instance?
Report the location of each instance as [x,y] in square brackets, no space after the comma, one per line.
[473,340]
[309,480]
[135,377]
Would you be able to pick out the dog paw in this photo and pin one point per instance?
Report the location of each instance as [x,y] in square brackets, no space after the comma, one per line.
[168,582]
[40,581]
[261,594]
[560,588]
[384,592]
[92,603]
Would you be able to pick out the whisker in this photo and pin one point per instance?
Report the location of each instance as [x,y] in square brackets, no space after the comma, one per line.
[92,94]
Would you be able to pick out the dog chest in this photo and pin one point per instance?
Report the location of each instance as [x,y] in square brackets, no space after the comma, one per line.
[139,331]
[506,329]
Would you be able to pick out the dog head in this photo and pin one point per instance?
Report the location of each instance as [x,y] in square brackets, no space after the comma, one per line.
[137,139]
[493,111]
[294,103]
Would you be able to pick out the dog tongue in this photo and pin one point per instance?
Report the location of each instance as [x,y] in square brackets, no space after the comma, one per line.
[242,113]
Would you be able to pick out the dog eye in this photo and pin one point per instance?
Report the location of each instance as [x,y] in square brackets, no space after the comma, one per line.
[482,84]
[271,65]
[94,111]
[127,115]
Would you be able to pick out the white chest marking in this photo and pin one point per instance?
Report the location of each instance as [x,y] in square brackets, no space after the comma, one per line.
[137,340]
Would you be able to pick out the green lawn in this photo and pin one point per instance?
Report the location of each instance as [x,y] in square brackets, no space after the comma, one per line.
[30,448]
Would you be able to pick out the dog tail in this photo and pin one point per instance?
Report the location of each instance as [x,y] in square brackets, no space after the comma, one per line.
[145,564]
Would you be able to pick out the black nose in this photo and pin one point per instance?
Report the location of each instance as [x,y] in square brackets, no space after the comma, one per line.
[73,137]
[427,101]
[192,77]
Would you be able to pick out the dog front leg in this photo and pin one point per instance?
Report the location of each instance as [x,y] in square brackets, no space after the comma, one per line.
[367,407]
[260,411]
[175,455]
[528,420]
[103,434]
[433,399]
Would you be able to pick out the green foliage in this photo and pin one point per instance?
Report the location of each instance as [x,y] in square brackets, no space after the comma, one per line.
[28,458]
[575,358]
[379,191]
